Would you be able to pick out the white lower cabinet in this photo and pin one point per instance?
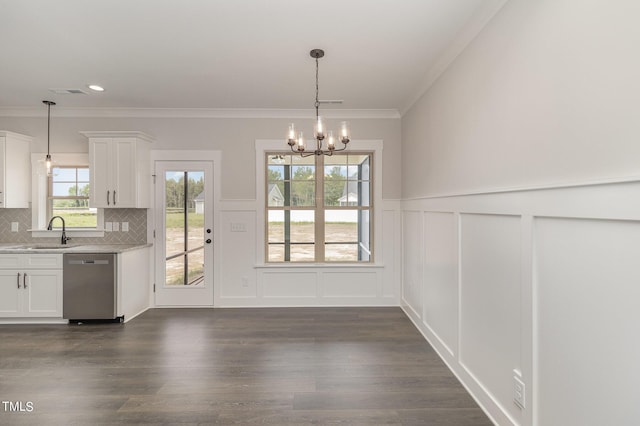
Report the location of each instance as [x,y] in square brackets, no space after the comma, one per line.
[31,285]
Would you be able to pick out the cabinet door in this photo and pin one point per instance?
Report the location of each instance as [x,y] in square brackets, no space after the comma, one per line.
[10,294]
[124,172]
[99,170]
[43,294]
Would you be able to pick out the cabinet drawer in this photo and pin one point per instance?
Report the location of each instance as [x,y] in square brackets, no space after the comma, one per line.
[31,261]
[10,261]
[43,261]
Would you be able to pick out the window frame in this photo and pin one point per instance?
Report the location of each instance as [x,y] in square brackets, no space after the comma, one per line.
[375,146]
[50,197]
[320,209]
[39,192]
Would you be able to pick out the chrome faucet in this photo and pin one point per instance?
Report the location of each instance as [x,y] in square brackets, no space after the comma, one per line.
[64,238]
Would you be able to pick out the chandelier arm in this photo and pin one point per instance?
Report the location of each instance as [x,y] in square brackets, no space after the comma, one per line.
[330,152]
[303,153]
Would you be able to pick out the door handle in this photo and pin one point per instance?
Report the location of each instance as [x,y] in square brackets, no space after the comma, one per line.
[108,193]
[19,279]
[208,241]
[114,197]
[208,230]
[24,280]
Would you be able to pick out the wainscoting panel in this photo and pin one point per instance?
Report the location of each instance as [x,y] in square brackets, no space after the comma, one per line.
[441,278]
[541,284]
[351,284]
[246,281]
[588,293]
[237,275]
[286,285]
[388,249]
[412,264]
[490,300]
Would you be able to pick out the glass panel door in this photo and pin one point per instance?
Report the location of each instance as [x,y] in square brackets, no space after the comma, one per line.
[184,228]
[184,233]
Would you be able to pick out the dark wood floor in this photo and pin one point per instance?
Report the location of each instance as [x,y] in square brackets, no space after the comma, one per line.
[294,366]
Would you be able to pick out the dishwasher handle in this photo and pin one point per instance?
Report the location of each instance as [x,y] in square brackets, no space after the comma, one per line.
[89,262]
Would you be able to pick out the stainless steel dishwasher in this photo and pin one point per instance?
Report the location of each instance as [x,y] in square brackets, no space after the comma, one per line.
[89,286]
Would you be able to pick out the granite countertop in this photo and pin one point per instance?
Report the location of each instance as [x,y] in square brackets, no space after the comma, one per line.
[33,248]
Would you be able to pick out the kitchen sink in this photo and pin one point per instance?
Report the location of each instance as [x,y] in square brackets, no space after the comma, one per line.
[48,246]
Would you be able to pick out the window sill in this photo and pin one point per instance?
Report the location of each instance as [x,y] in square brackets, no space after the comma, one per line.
[44,233]
[318,265]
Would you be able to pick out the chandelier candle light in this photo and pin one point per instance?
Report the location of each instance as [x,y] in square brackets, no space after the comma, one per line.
[320,133]
[48,157]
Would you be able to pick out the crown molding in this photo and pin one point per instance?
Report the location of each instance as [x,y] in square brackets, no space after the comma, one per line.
[13,135]
[199,113]
[470,31]
[117,134]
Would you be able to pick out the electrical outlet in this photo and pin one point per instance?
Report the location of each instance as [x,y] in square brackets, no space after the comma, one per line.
[245,282]
[15,226]
[125,226]
[116,226]
[518,391]
[108,226]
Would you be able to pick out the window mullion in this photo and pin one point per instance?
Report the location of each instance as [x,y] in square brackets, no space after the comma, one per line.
[287,213]
[319,209]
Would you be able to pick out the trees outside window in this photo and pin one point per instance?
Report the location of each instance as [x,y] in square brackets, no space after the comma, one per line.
[68,197]
[318,208]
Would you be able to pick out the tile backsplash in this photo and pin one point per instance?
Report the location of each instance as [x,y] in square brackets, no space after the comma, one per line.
[137,219]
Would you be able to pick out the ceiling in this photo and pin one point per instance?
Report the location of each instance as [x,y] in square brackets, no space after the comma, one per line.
[228,54]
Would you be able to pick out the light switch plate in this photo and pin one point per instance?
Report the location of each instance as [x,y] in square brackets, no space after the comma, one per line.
[116,226]
[108,226]
[125,226]
[239,227]
[15,226]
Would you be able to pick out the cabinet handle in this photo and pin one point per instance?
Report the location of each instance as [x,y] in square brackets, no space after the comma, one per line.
[19,279]
[114,197]
[108,197]
[24,280]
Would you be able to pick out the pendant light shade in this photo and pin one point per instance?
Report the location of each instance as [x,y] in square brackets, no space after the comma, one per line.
[48,157]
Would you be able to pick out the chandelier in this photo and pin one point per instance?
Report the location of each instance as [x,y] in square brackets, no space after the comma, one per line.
[296,140]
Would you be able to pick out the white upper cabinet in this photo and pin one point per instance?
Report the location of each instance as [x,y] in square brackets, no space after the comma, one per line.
[119,169]
[15,170]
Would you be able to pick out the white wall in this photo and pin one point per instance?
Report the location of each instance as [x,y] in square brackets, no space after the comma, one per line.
[240,283]
[521,215]
[546,94]
[234,137]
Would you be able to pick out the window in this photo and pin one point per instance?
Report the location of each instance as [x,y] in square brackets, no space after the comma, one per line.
[68,197]
[319,208]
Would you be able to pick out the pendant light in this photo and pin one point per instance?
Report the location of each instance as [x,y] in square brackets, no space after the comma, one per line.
[48,157]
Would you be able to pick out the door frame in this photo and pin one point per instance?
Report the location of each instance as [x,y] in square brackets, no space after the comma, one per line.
[215,157]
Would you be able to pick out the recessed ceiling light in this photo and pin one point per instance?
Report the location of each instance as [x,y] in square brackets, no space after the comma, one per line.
[96,88]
